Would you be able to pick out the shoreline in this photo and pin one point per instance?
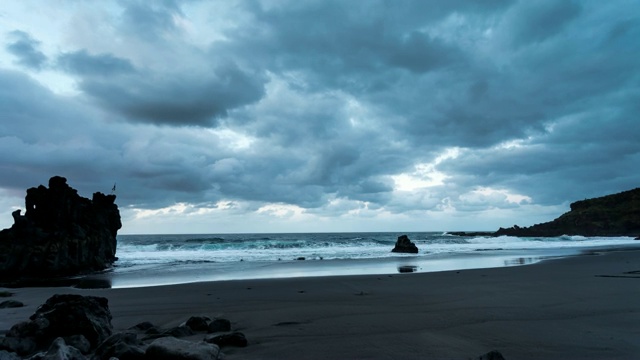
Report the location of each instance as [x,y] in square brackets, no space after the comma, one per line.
[577,307]
[196,272]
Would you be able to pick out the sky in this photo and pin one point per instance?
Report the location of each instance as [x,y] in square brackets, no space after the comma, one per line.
[321,116]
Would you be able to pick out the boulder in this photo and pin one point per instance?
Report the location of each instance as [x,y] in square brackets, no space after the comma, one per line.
[79,342]
[6,355]
[145,327]
[68,315]
[170,348]
[60,234]
[124,346]
[20,346]
[177,332]
[404,245]
[59,350]
[198,323]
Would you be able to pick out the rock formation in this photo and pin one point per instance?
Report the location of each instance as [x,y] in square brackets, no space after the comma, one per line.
[77,327]
[60,234]
[84,321]
[611,215]
[404,245]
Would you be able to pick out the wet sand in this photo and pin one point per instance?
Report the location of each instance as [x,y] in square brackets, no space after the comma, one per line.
[582,307]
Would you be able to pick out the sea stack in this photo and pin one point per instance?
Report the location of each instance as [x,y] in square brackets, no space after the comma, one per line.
[60,234]
[404,245]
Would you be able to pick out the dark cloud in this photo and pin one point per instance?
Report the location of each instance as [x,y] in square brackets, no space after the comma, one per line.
[149,21]
[180,99]
[25,48]
[535,21]
[83,64]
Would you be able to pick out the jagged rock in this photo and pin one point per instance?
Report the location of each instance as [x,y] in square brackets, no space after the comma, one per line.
[170,348]
[124,346]
[61,233]
[79,342]
[68,315]
[198,323]
[21,346]
[33,328]
[234,339]
[143,326]
[178,331]
[404,245]
[491,355]
[6,355]
[11,304]
[611,215]
[59,350]
[219,325]
[146,328]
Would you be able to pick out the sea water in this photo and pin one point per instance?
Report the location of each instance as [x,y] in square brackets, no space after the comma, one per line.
[147,260]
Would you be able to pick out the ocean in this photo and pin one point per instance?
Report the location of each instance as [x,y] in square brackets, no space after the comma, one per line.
[151,260]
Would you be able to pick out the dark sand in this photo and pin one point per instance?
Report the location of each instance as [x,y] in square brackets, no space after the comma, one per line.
[585,307]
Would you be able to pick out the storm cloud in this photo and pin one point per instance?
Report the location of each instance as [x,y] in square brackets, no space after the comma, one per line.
[25,49]
[325,115]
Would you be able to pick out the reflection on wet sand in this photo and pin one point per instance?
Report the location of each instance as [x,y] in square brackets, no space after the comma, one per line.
[407,268]
[521,261]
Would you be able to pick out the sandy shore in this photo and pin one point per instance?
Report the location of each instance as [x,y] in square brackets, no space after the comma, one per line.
[583,307]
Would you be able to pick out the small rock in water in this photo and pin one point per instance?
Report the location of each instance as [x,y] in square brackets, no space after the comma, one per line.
[404,245]
[301,258]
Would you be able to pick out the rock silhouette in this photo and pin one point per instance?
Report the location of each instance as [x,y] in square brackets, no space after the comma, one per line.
[404,245]
[611,215]
[60,234]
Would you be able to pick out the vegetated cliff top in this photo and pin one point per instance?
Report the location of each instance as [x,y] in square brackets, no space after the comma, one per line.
[610,215]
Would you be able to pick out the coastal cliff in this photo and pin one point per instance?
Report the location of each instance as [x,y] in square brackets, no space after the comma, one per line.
[60,234]
[611,215]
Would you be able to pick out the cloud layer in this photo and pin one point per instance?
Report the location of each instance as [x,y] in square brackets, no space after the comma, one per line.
[355,116]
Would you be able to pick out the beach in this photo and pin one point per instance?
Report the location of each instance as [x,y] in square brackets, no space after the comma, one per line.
[579,307]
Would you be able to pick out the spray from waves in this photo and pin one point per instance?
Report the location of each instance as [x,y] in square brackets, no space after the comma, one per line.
[144,250]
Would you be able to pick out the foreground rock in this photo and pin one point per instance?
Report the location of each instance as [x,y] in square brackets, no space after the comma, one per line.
[67,316]
[61,233]
[611,215]
[170,348]
[404,245]
[76,327]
